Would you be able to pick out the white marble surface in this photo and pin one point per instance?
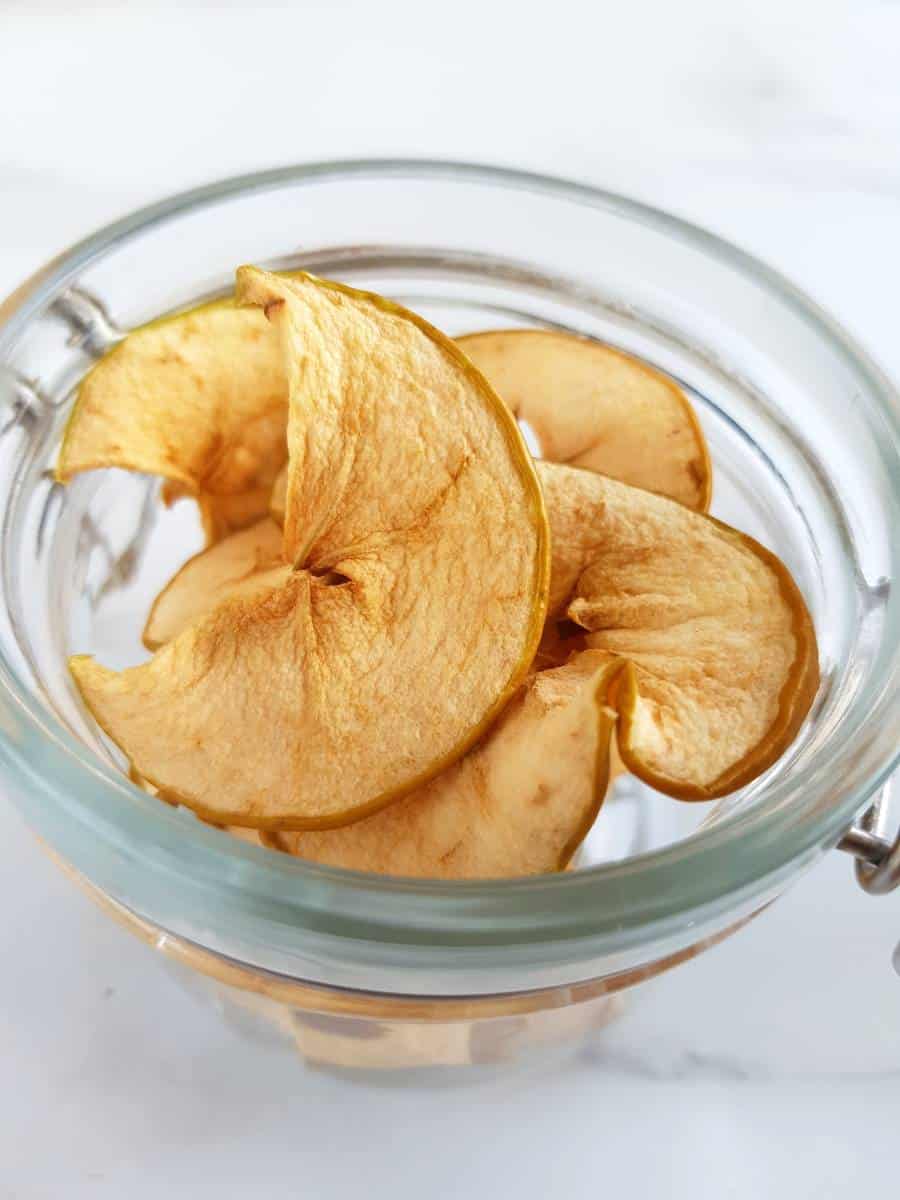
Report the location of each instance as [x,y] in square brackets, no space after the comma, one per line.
[769,1067]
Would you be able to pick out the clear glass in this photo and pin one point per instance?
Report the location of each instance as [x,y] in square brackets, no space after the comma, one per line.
[804,436]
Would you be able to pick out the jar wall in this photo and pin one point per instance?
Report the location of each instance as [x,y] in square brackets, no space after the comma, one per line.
[804,437]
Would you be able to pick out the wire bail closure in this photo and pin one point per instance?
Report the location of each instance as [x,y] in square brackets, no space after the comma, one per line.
[877,857]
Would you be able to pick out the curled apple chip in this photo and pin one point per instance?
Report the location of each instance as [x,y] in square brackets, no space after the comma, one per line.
[617,546]
[412,602]
[200,399]
[519,803]
[595,407]
[721,664]
[240,564]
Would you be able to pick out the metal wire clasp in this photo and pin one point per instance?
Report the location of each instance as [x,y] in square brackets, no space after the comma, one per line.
[877,857]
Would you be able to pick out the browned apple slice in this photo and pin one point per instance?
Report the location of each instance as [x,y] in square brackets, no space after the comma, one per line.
[240,565]
[200,399]
[595,407]
[720,651]
[519,803]
[415,600]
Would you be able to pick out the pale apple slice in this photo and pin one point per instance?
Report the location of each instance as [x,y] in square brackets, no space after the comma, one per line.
[519,803]
[418,540]
[595,407]
[240,565]
[200,399]
[720,651]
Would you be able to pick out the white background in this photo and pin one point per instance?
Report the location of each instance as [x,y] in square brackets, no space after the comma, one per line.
[770,1067]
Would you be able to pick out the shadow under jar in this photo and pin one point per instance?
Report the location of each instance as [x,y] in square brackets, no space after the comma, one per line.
[362,971]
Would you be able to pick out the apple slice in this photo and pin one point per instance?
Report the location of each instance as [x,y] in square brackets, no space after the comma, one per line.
[240,565]
[412,606]
[614,547]
[721,664]
[519,803]
[595,407]
[200,399]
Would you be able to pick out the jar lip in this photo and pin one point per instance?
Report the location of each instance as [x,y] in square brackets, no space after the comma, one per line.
[645,891]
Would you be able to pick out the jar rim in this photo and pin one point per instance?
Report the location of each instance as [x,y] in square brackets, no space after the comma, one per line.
[615,900]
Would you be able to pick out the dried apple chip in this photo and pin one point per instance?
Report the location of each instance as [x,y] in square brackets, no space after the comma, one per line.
[234,563]
[611,545]
[720,651]
[200,399]
[595,407]
[519,803]
[240,564]
[414,601]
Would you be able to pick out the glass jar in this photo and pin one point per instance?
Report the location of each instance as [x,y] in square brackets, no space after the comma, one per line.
[365,971]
